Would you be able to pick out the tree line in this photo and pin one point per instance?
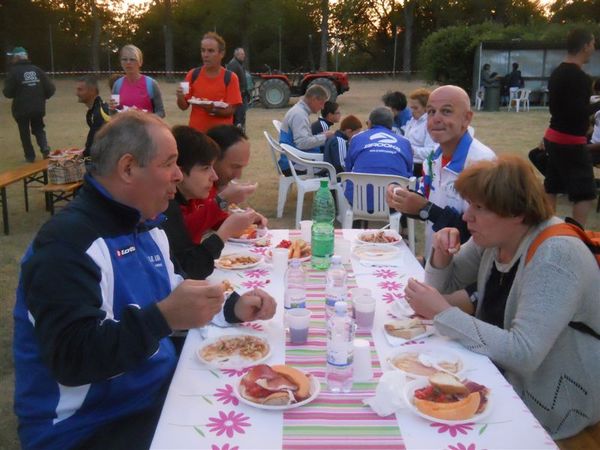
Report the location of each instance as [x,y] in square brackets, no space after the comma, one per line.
[287,35]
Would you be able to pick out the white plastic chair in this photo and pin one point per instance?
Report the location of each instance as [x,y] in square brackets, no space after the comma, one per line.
[277,125]
[306,184]
[381,209]
[517,96]
[284,182]
[479,98]
[522,96]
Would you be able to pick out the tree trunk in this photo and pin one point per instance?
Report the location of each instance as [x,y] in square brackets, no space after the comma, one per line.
[409,17]
[324,33]
[168,29]
[95,37]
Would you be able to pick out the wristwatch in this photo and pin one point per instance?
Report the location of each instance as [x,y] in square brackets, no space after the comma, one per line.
[221,202]
[424,211]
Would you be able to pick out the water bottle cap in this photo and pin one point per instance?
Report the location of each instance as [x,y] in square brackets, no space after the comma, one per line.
[341,308]
[336,259]
[324,183]
[295,263]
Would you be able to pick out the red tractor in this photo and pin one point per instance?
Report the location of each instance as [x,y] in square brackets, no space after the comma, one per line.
[275,89]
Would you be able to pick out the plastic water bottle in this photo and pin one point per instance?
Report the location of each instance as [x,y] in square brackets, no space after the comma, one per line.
[295,290]
[322,234]
[336,289]
[340,337]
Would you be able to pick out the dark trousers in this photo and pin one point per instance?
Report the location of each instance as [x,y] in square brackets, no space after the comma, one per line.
[133,432]
[28,126]
[239,116]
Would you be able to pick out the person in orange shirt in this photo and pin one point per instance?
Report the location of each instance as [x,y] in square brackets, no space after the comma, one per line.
[214,91]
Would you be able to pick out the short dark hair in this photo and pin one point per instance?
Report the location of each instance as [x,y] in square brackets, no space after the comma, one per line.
[329,108]
[89,80]
[195,148]
[395,100]
[226,136]
[577,39]
[515,66]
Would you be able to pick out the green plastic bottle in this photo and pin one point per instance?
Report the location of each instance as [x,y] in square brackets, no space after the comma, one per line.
[322,233]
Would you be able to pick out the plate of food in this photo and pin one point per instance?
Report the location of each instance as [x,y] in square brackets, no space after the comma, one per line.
[234,351]
[376,252]
[250,235]
[422,361]
[379,237]
[298,249]
[277,387]
[199,101]
[237,261]
[399,331]
[444,398]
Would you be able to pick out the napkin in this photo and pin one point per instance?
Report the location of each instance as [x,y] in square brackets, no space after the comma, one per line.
[389,395]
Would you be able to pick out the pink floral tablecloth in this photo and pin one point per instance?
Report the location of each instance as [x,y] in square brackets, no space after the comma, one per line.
[202,412]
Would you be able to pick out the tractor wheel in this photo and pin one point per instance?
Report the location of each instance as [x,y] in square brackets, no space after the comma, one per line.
[274,93]
[327,84]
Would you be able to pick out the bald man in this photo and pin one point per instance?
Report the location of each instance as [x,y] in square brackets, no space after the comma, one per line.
[448,117]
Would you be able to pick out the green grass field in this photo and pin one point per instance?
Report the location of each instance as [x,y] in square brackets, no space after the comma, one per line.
[65,124]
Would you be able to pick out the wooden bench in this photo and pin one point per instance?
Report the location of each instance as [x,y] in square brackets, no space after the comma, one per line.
[36,172]
[56,193]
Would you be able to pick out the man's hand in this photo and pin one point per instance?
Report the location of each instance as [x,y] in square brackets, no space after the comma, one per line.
[192,304]
[255,305]
[237,192]
[405,201]
[236,223]
[329,133]
[444,245]
[261,220]
[425,300]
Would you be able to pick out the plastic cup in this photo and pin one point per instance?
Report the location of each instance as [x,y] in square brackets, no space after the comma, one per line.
[116,98]
[363,368]
[298,319]
[185,87]
[355,293]
[306,229]
[364,311]
[279,256]
[343,248]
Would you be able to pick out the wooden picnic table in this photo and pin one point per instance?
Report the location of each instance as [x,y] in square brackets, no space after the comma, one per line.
[36,172]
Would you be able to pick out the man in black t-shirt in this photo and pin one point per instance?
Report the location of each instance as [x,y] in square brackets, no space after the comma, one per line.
[569,169]
[97,113]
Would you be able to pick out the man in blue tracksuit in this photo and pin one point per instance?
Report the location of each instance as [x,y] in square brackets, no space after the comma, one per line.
[379,150]
[98,297]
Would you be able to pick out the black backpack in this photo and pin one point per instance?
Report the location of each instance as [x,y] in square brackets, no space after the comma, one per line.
[226,78]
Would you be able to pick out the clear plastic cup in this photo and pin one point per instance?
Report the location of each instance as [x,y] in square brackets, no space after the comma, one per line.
[298,319]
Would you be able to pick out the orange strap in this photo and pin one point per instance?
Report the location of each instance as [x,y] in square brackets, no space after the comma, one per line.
[560,229]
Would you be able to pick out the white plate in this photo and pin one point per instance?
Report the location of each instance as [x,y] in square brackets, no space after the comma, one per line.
[259,235]
[197,101]
[395,341]
[431,350]
[234,361]
[390,233]
[258,258]
[376,252]
[219,104]
[411,387]
[315,389]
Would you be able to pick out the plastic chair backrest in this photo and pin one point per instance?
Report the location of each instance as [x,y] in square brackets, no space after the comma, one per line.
[365,186]
[275,151]
[293,155]
[277,125]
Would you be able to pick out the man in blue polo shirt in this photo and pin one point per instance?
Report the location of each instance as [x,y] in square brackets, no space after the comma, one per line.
[379,150]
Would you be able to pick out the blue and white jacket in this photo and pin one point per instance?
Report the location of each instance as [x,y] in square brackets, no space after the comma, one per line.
[90,344]
[380,151]
[336,150]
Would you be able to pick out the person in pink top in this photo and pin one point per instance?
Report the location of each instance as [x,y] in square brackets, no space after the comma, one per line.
[134,89]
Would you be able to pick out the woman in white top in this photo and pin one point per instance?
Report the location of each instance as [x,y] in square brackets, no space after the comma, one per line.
[416,130]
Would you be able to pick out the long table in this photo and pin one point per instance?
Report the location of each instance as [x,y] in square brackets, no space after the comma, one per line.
[201,410]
